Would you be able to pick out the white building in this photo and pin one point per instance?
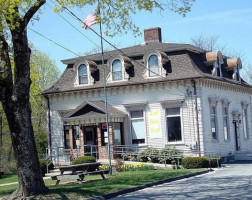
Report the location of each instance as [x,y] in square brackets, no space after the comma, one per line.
[159,94]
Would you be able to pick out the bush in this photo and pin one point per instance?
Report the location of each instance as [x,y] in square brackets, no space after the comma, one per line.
[195,162]
[86,159]
[149,155]
[43,168]
[169,155]
[137,167]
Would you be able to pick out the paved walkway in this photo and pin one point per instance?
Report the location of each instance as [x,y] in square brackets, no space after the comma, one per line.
[232,182]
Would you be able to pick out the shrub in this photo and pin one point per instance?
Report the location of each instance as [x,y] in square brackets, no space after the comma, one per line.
[118,164]
[43,168]
[86,159]
[195,162]
[149,155]
[137,167]
[169,155]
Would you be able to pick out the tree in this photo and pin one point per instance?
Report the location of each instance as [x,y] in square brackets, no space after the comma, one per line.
[15,82]
[43,74]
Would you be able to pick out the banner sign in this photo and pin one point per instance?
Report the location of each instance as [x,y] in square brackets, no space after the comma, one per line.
[155,124]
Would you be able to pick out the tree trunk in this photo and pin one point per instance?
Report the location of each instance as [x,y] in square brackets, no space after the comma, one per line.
[18,112]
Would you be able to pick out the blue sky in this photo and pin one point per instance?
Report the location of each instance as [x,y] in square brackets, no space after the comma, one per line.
[231,20]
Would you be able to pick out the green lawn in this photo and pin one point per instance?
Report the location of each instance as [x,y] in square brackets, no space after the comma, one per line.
[94,187]
[8,178]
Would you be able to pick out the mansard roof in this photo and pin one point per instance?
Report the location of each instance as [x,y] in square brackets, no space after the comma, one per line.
[185,62]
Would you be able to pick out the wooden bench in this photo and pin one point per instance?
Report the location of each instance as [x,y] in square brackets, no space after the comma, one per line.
[79,171]
[73,168]
[79,176]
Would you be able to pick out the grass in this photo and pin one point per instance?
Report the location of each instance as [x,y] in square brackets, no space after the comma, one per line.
[116,182]
[8,178]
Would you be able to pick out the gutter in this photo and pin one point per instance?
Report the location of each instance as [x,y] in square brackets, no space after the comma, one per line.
[197,115]
[49,122]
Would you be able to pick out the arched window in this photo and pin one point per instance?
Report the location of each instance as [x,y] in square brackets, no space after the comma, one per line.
[83,75]
[153,66]
[117,70]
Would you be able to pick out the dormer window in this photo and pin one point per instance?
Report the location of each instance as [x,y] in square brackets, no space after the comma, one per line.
[120,68]
[215,60]
[153,66]
[217,69]
[86,72]
[156,64]
[117,70]
[83,74]
[234,64]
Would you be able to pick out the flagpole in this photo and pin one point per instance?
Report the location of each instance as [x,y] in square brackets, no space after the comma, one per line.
[105,94]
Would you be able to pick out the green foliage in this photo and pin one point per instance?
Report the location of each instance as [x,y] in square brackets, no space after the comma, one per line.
[43,168]
[84,159]
[195,162]
[137,167]
[149,155]
[171,155]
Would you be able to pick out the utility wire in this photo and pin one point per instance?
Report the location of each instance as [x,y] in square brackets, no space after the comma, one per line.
[53,42]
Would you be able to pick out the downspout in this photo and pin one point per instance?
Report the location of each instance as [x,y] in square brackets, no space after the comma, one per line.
[197,116]
[49,123]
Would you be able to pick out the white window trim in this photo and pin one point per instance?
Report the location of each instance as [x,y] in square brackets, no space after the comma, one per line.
[217,64]
[144,118]
[228,123]
[213,101]
[237,71]
[245,109]
[90,78]
[125,75]
[162,71]
[181,123]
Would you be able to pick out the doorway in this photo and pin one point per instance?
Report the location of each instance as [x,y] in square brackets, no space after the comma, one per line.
[90,139]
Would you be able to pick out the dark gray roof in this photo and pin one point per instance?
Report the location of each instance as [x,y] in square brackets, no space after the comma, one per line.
[186,62]
[93,109]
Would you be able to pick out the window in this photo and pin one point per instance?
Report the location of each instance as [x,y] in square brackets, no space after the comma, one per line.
[66,137]
[75,135]
[137,127]
[225,122]
[236,75]
[245,123]
[117,133]
[217,69]
[213,122]
[117,70]
[83,75]
[174,124]
[153,66]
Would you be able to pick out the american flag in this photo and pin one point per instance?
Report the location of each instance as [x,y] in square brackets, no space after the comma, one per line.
[92,18]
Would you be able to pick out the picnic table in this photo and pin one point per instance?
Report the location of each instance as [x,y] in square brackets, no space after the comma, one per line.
[79,171]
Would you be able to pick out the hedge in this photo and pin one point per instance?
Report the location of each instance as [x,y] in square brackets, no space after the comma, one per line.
[199,162]
[86,159]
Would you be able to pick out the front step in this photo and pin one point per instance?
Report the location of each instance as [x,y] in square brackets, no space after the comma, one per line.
[240,156]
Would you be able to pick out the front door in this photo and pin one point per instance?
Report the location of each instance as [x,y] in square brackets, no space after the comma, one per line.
[90,139]
[237,135]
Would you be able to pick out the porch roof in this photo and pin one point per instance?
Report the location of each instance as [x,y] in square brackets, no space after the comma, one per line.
[93,112]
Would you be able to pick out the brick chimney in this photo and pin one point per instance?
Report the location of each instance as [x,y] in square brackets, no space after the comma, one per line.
[152,35]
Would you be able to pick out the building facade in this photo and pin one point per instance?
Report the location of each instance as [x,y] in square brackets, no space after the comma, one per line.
[159,94]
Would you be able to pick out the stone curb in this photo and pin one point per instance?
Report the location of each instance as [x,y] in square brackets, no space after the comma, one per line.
[140,187]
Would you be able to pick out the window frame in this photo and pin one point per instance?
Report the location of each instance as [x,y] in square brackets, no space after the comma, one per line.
[245,123]
[215,123]
[181,125]
[112,71]
[87,74]
[65,139]
[144,122]
[158,67]
[216,67]
[225,117]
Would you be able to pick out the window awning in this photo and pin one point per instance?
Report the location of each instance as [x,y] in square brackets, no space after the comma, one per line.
[93,112]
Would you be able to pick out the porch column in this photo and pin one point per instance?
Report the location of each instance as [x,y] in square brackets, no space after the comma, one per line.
[101,149]
[72,153]
[111,138]
[82,142]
